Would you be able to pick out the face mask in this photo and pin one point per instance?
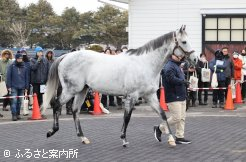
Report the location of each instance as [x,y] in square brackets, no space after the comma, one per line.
[203,59]
[235,56]
[18,63]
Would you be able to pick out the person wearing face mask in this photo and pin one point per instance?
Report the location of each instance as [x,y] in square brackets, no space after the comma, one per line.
[237,66]
[17,83]
[188,70]
[202,63]
[39,74]
[26,62]
[220,65]
[174,83]
[243,58]
[229,71]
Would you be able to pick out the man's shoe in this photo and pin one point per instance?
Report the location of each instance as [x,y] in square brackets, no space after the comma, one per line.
[69,113]
[44,116]
[182,141]
[1,115]
[157,133]
[112,104]
[5,109]
[221,105]
[14,118]
[214,106]
[200,103]
[193,105]
[18,117]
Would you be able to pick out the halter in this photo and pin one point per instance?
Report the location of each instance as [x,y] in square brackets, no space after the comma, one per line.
[177,46]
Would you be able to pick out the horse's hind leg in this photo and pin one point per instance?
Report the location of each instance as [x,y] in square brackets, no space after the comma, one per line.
[56,104]
[78,101]
[129,105]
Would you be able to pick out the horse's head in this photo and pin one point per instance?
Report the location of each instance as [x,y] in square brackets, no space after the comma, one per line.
[182,46]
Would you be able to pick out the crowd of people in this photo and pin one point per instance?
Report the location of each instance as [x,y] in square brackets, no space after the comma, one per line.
[20,73]
[228,70]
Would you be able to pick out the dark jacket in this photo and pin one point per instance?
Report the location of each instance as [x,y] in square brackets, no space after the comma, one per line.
[17,76]
[28,67]
[173,81]
[220,69]
[229,71]
[39,70]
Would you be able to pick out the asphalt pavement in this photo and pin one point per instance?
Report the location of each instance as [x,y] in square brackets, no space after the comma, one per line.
[217,136]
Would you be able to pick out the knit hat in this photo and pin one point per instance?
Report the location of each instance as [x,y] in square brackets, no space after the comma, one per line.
[18,55]
[235,53]
[38,49]
[23,50]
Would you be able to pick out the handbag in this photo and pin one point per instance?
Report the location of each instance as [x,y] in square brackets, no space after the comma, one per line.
[205,73]
[214,82]
[193,81]
[3,87]
[25,106]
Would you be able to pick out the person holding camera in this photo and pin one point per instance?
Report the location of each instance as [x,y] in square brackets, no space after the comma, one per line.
[39,74]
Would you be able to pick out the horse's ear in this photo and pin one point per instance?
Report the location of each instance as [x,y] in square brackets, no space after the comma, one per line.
[181,29]
[184,27]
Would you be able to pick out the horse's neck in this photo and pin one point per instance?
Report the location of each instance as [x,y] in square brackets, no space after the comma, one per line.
[157,58]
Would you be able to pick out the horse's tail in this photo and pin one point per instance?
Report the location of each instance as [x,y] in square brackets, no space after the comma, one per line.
[52,83]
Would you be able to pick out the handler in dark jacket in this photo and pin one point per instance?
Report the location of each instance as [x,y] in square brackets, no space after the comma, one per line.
[175,89]
[17,82]
[39,73]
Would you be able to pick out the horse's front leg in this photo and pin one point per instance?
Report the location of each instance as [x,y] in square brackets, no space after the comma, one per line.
[129,105]
[55,104]
[164,126]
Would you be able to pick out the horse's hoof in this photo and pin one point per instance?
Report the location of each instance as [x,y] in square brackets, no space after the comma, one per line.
[49,133]
[171,141]
[125,143]
[85,140]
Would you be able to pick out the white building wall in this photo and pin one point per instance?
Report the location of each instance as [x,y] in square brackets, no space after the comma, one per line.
[149,19]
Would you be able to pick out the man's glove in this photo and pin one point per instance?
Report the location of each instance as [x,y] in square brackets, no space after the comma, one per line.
[186,83]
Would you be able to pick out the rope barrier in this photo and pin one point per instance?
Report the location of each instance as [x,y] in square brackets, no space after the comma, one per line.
[15,96]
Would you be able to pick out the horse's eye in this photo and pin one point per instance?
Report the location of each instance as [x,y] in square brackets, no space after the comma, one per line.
[184,42]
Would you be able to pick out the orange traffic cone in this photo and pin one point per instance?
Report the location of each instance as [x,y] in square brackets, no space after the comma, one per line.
[162,99]
[229,102]
[97,109]
[238,98]
[36,115]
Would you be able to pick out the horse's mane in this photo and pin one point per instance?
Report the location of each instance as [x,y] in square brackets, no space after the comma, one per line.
[151,45]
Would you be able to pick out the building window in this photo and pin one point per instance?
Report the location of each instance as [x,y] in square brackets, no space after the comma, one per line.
[225,28]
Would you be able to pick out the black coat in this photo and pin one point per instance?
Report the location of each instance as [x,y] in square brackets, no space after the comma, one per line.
[173,82]
[39,71]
